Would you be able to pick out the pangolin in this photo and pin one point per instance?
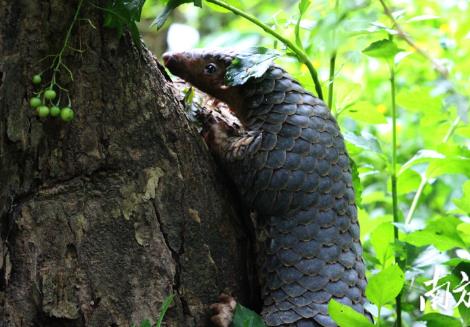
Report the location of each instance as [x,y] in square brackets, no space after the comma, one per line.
[291,167]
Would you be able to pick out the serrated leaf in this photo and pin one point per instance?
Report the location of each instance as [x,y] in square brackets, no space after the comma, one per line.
[441,232]
[435,319]
[344,315]
[385,286]
[244,317]
[251,63]
[171,5]
[464,203]
[386,49]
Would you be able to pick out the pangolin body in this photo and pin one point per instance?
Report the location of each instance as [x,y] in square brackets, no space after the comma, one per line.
[291,166]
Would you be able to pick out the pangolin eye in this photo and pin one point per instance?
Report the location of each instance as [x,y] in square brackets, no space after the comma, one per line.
[210,69]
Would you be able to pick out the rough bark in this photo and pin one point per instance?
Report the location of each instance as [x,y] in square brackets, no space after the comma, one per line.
[104,217]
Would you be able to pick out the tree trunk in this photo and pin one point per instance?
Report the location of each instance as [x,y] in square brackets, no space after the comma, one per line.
[102,218]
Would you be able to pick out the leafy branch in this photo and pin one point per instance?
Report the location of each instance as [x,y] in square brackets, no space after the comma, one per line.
[303,57]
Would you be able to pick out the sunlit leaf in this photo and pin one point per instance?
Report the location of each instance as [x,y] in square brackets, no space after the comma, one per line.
[384,287]
[440,167]
[364,141]
[409,181]
[344,315]
[386,49]
[435,319]
[382,240]
[419,100]
[464,232]
[464,202]
[366,112]
[441,232]
[421,18]
[422,156]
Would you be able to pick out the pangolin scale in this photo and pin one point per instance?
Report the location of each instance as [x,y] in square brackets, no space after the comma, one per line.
[290,166]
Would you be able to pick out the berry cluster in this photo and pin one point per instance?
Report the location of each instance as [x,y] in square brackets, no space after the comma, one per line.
[43,102]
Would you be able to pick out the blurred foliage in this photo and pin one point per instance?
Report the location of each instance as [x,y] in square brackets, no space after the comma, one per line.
[433,156]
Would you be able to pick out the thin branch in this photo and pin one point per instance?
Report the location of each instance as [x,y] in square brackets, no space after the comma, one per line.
[402,34]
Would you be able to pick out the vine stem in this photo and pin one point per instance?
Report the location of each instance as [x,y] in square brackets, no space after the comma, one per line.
[331,77]
[394,182]
[297,50]
[425,179]
[57,62]
[331,80]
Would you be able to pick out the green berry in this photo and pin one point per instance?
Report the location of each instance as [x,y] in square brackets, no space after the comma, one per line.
[35,102]
[37,79]
[55,111]
[43,111]
[66,114]
[50,94]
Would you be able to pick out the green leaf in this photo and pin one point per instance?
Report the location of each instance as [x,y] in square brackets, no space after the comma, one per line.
[356,183]
[441,232]
[419,100]
[386,49]
[422,156]
[303,6]
[448,165]
[439,320]
[145,323]
[464,232]
[366,112]
[344,315]
[365,141]
[164,309]
[171,5]
[382,240]
[422,18]
[384,287]
[409,181]
[251,63]
[244,317]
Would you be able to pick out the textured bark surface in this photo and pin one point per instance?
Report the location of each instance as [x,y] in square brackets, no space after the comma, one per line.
[104,217]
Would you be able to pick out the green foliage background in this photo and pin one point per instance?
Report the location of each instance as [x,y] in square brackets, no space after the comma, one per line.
[433,136]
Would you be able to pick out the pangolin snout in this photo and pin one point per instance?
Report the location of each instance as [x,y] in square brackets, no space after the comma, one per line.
[167,57]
